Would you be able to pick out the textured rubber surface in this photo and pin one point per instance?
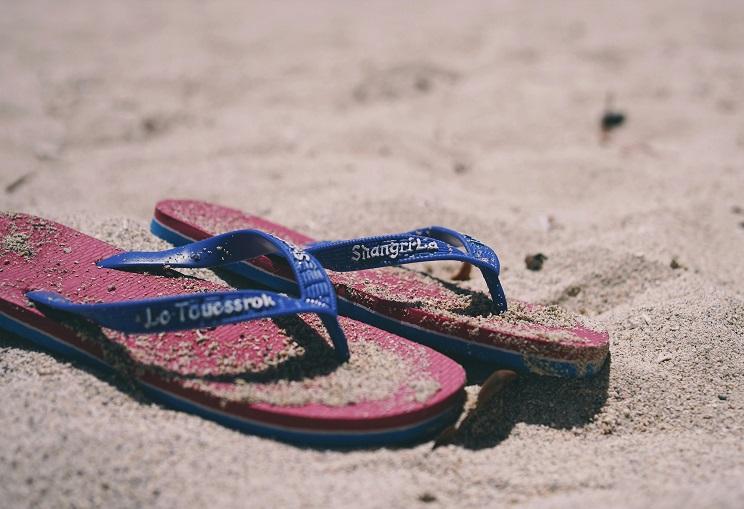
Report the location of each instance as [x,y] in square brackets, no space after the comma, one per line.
[388,297]
[36,254]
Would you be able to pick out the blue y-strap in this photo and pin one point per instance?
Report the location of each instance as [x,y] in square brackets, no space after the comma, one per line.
[211,309]
[434,243]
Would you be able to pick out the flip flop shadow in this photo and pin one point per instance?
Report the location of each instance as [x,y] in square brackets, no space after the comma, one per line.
[559,403]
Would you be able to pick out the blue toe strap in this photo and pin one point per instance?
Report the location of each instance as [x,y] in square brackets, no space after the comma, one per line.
[434,243]
[201,310]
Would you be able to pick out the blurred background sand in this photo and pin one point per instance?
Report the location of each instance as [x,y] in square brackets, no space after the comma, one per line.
[341,119]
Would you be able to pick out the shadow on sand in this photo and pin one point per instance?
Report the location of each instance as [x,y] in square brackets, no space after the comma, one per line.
[559,403]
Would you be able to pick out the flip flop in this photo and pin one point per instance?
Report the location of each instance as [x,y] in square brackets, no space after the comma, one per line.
[528,337]
[244,358]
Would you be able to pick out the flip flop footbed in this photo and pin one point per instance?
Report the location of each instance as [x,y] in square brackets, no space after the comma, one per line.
[539,339]
[276,377]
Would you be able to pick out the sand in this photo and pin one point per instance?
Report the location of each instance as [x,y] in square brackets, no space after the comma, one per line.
[341,119]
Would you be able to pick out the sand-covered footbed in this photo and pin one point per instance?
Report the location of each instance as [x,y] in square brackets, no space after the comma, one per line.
[287,361]
[341,120]
[474,308]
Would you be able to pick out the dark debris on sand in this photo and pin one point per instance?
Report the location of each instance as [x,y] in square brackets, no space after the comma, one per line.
[535,261]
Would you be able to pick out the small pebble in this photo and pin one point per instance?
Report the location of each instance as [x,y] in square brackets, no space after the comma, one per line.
[611,120]
[111,288]
[722,397]
[427,497]
[573,291]
[535,261]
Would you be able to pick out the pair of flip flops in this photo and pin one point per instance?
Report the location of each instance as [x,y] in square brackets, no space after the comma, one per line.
[280,361]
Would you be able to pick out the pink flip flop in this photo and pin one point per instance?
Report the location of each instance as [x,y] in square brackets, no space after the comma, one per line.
[244,358]
[373,289]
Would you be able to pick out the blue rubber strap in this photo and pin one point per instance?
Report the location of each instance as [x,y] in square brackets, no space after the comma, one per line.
[200,310]
[434,243]
[233,247]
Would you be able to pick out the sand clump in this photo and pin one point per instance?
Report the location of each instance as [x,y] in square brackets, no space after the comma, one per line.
[371,374]
[17,243]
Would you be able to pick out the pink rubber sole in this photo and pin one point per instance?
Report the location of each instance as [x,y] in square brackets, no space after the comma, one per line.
[201,368]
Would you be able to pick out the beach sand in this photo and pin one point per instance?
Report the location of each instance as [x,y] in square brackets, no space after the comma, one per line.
[347,119]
